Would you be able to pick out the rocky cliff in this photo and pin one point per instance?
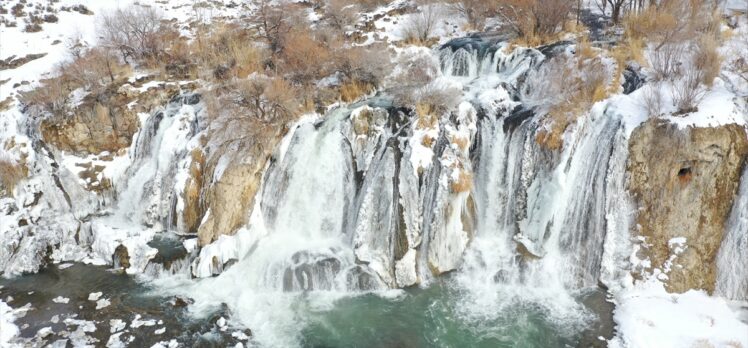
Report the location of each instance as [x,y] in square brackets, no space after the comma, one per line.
[684,181]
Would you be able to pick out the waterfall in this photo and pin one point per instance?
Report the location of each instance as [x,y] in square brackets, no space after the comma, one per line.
[155,153]
[732,259]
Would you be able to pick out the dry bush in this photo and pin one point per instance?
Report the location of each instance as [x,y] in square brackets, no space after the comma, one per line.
[413,71]
[564,87]
[707,59]
[304,59]
[274,20]
[341,14]
[419,26]
[93,70]
[10,174]
[653,100]
[364,64]
[687,91]
[474,11]
[268,99]
[535,21]
[227,48]
[354,90]
[673,21]
[431,102]
[257,110]
[134,31]
[665,62]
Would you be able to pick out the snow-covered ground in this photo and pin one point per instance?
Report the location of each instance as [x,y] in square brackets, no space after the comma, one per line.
[646,315]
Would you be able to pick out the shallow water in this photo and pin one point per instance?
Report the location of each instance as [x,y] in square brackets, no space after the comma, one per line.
[128,298]
[431,317]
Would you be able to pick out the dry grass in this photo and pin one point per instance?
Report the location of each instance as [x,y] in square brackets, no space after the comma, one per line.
[463,182]
[534,21]
[566,87]
[355,90]
[10,174]
[707,59]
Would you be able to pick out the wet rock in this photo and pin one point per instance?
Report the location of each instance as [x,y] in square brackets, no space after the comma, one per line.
[684,182]
[121,257]
[181,302]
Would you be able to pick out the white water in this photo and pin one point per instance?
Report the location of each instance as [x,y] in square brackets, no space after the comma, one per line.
[732,259]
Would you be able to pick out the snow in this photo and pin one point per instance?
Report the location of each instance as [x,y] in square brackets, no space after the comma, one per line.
[116,325]
[649,316]
[94,296]
[69,26]
[8,330]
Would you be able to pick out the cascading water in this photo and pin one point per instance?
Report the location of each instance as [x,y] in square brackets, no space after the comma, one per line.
[732,260]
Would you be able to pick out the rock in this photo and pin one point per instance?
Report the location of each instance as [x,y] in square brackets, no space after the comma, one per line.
[121,257]
[95,126]
[230,197]
[684,182]
[12,62]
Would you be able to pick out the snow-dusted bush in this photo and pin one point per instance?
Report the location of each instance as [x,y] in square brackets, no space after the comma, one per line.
[341,14]
[135,31]
[419,27]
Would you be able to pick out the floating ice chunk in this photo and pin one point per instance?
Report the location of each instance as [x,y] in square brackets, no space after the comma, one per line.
[60,299]
[94,296]
[102,303]
[116,325]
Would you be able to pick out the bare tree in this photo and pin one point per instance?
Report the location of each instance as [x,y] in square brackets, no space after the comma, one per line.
[133,31]
[274,21]
[616,8]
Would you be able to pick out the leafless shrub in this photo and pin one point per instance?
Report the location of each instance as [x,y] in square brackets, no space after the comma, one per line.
[368,65]
[305,59]
[224,47]
[341,14]
[666,61]
[133,31]
[270,100]
[652,98]
[688,91]
[274,21]
[474,11]
[534,20]
[419,27]
[412,71]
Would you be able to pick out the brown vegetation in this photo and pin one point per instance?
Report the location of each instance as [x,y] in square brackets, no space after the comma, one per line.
[10,174]
[534,21]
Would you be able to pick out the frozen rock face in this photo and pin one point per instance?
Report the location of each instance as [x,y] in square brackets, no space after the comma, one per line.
[685,181]
[94,126]
[230,197]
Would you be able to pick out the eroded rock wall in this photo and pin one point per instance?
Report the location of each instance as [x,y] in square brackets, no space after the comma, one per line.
[684,182]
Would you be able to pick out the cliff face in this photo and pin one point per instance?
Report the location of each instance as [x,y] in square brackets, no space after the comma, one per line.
[684,182]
